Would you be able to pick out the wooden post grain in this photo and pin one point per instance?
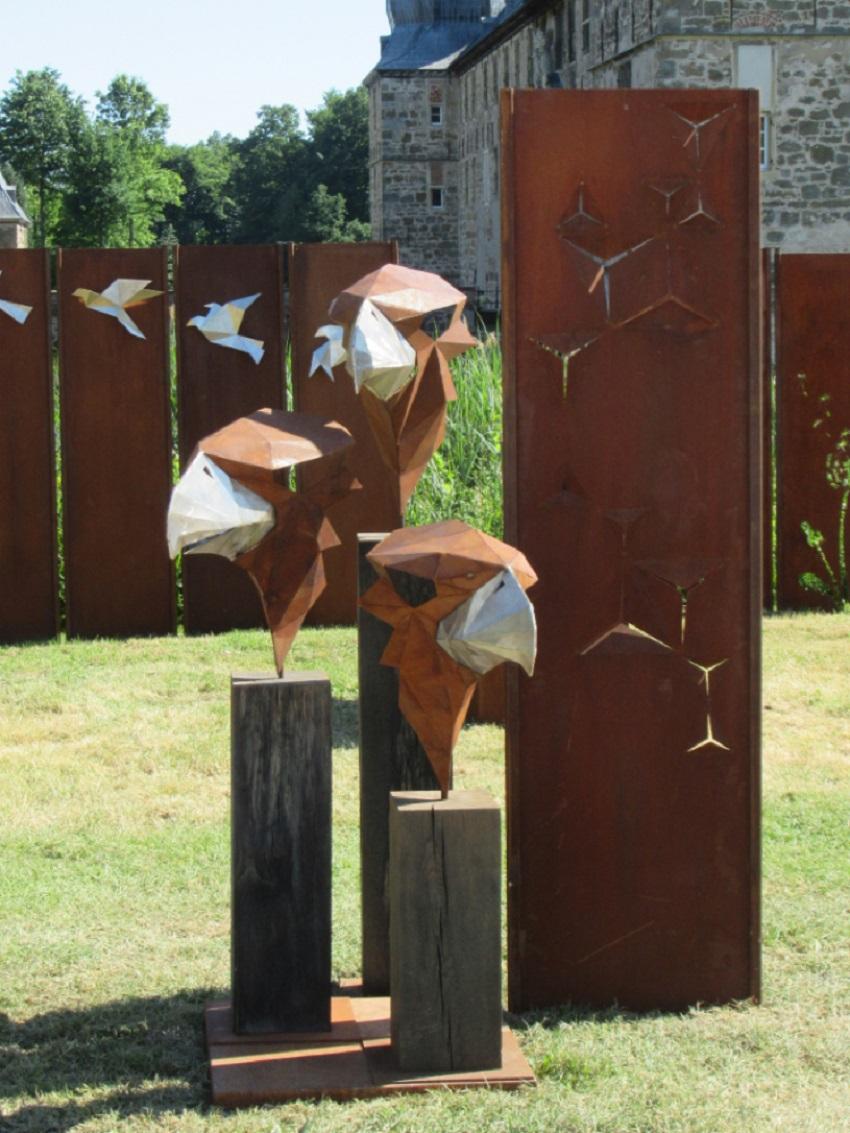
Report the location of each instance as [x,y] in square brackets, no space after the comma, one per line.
[445,940]
[391,759]
[281,852]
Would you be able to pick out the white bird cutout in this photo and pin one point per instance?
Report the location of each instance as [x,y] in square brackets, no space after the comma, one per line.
[331,352]
[221,324]
[116,298]
[377,356]
[16,311]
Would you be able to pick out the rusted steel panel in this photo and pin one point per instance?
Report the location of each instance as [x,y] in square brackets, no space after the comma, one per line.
[488,701]
[216,385]
[116,448]
[317,273]
[813,374]
[633,484]
[28,609]
[768,260]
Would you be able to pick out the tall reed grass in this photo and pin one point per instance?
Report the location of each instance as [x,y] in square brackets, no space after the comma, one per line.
[464,478]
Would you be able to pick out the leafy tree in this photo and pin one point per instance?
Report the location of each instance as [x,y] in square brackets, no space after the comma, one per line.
[271,182]
[128,105]
[339,146]
[207,212]
[130,129]
[326,219]
[149,189]
[94,205]
[39,119]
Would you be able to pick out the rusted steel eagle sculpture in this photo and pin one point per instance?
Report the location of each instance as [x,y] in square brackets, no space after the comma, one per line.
[234,499]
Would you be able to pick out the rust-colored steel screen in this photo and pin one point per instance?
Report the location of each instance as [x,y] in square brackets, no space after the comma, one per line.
[27,527]
[813,391]
[768,261]
[218,383]
[633,484]
[317,274]
[116,442]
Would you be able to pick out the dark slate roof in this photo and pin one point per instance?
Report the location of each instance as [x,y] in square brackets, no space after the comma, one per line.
[9,207]
[418,47]
[435,46]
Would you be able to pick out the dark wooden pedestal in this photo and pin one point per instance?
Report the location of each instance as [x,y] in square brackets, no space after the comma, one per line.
[281,853]
[391,759]
[445,943]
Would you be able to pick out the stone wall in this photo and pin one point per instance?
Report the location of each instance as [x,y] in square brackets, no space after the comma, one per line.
[622,43]
[13,235]
[806,192]
[411,157]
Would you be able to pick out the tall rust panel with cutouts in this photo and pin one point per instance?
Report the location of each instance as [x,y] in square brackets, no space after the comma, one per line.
[28,608]
[222,376]
[116,441]
[633,484]
[813,396]
[317,274]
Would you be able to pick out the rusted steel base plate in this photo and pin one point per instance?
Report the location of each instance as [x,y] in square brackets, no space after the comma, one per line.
[353,1060]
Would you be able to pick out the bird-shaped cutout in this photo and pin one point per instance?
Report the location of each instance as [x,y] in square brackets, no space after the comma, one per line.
[115,299]
[17,311]
[221,326]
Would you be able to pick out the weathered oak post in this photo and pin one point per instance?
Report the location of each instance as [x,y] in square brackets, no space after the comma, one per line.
[391,759]
[445,940]
[281,852]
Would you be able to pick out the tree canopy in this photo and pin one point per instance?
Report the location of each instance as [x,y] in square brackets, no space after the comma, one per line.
[110,178]
[39,121]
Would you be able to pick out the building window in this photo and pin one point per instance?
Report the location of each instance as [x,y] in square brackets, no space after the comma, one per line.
[764,141]
[436,197]
[585,26]
[754,67]
[558,42]
[624,74]
[436,114]
[571,31]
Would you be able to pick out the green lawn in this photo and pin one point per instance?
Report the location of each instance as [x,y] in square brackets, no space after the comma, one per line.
[114,909]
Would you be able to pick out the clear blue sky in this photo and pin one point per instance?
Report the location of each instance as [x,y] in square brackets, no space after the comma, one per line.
[214,63]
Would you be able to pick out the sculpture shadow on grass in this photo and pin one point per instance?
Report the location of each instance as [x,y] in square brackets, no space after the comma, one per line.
[345,722]
[143,1055]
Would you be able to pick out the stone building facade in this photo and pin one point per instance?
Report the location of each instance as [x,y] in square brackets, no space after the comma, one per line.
[14,222]
[434,107]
